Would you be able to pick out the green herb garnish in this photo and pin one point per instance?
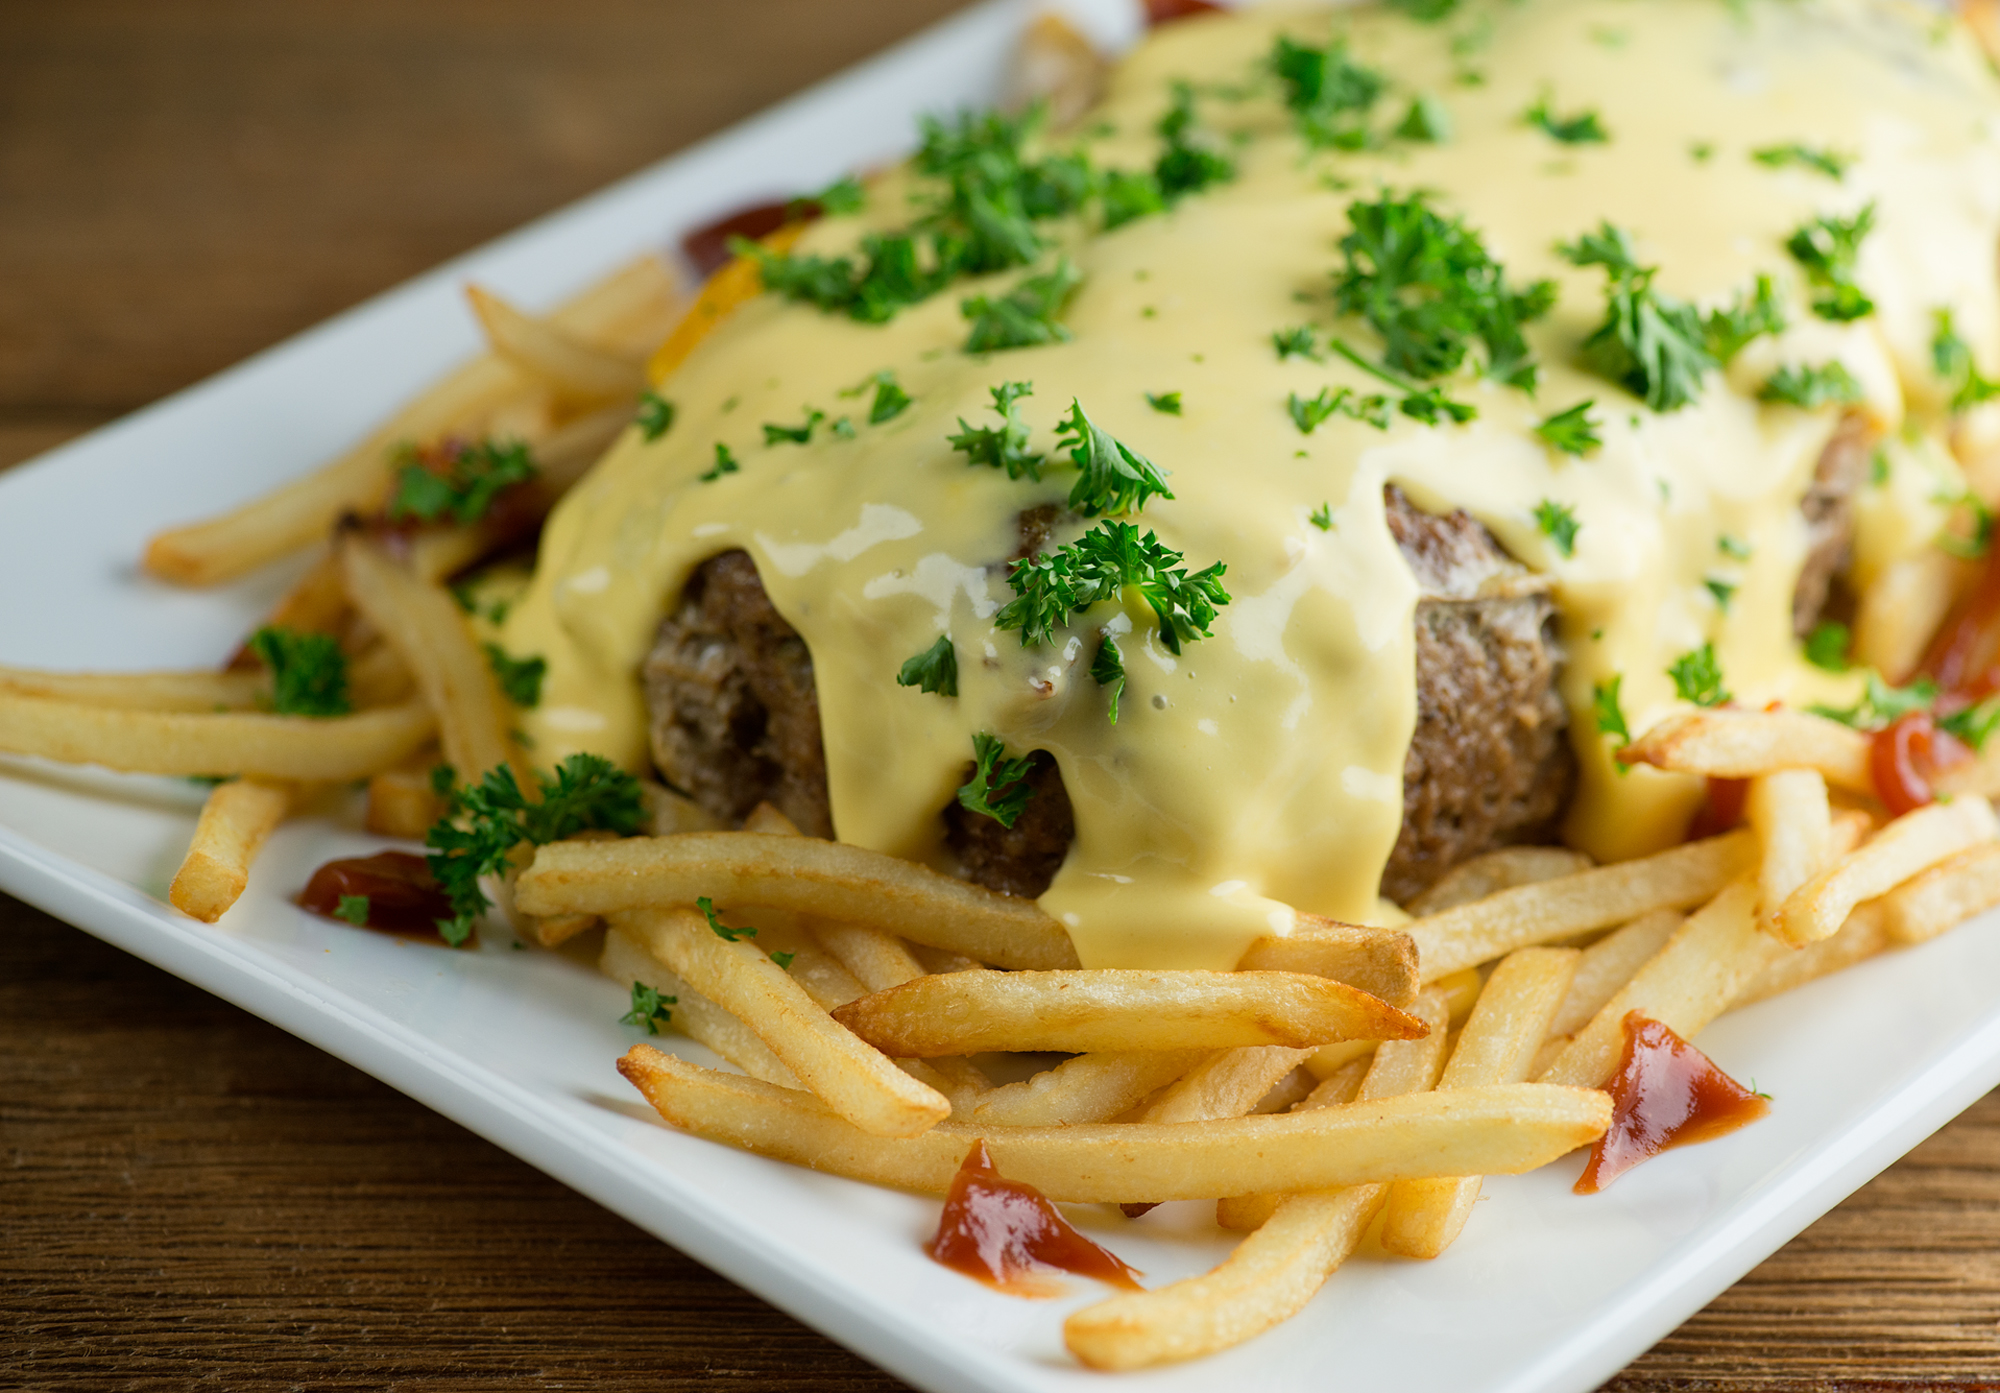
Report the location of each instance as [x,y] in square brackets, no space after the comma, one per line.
[1005,446]
[655,417]
[1725,332]
[1826,646]
[933,670]
[1098,566]
[1882,704]
[1581,129]
[1558,523]
[1329,93]
[1308,413]
[1571,431]
[783,959]
[1427,122]
[1108,668]
[1115,479]
[1186,166]
[1952,357]
[1811,386]
[725,463]
[1610,715]
[1296,343]
[1732,546]
[725,932]
[457,480]
[1026,315]
[1651,344]
[1822,161]
[520,678]
[797,435]
[354,909]
[1322,517]
[649,1008]
[1970,548]
[1698,677]
[890,400]
[1166,403]
[998,787]
[1724,591]
[308,671]
[1828,248]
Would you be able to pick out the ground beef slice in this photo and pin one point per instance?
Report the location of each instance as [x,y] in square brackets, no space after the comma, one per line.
[1024,858]
[1828,509]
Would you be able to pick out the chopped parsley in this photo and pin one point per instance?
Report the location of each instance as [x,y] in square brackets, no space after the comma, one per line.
[1827,247]
[1431,405]
[890,400]
[1972,724]
[1114,478]
[1727,331]
[1698,677]
[725,463]
[649,1008]
[1821,161]
[933,670]
[308,671]
[725,932]
[1425,283]
[1098,566]
[998,787]
[1005,446]
[1952,357]
[1108,669]
[1427,11]
[1732,546]
[844,195]
[797,435]
[1610,715]
[1127,196]
[1651,344]
[1975,546]
[782,959]
[1166,403]
[1826,646]
[655,417]
[1186,166]
[1724,591]
[1309,412]
[1571,431]
[1427,122]
[1322,517]
[486,821]
[1296,343]
[354,909]
[1882,704]
[1330,95]
[456,480]
[520,678]
[1809,387]
[1581,129]
[1558,523]
[1026,315]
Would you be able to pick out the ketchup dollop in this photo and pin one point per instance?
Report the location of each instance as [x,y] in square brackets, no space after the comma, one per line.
[1666,1093]
[402,897]
[1002,1233]
[1721,808]
[1160,12]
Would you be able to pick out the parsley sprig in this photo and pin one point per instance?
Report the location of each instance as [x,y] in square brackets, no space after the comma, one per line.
[999,786]
[1557,522]
[933,670]
[1584,128]
[1727,331]
[1025,316]
[1952,357]
[1098,566]
[1827,644]
[655,416]
[308,671]
[1114,480]
[726,932]
[649,1008]
[456,479]
[1882,704]
[1309,413]
[1810,386]
[1820,160]
[1697,677]
[1330,94]
[725,463]
[1610,715]
[1571,431]
[1004,446]
[1652,344]
[520,679]
[1108,669]
[1828,248]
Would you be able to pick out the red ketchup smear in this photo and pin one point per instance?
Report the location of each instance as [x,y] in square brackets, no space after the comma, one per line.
[707,247]
[1907,755]
[1160,12]
[1002,1232]
[402,897]
[1721,810]
[1666,1093]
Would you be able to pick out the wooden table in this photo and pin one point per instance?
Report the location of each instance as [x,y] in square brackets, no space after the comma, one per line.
[189,1196]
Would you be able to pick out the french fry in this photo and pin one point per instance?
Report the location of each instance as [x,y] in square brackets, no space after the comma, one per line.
[1381,962]
[1594,899]
[143,691]
[1947,894]
[1742,744]
[543,351]
[316,604]
[1862,936]
[1608,964]
[1912,843]
[734,285]
[253,744]
[1502,869]
[857,1082]
[1688,983]
[1501,1130]
[402,802]
[235,820]
[1497,1045]
[1228,1083]
[625,960]
[1084,1088]
[377,677]
[427,630]
[1274,1271]
[1058,67]
[1904,606]
[880,961]
[1117,1009]
[1788,811]
[824,879]
[1288,1092]
[826,981]
[669,813]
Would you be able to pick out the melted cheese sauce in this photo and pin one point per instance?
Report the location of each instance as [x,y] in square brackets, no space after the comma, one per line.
[1261,768]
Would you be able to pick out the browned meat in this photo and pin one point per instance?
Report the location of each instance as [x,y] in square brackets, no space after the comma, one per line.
[1828,509]
[735,714]
[1024,858]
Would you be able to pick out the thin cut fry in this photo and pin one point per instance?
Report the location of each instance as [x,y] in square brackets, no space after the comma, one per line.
[1498,1045]
[1608,964]
[235,820]
[1229,1083]
[1502,1130]
[1863,936]
[1914,842]
[1084,1088]
[1381,962]
[1900,611]
[1502,869]
[625,960]
[880,961]
[143,691]
[544,352]
[1594,899]
[1117,1009]
[402,802]
[825,879]
[1788,811]
[860,1084]
[1742,744]
[1947,894]
[331,749]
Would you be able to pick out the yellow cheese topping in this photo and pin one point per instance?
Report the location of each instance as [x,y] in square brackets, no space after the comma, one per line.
[1259,770]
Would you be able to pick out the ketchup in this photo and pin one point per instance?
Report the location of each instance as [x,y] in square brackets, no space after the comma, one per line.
[1160,12]
[1721,809]
[1002,1232]
[402,897]
[1666,1093]
[1906,756]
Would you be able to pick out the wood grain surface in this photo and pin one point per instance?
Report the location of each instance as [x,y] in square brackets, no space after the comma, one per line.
[191,1198]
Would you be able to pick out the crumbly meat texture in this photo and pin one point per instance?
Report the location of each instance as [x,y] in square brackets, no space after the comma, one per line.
[1828,509]
[1024,858]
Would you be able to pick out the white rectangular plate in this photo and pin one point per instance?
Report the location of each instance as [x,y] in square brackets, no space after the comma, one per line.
[1546,1292]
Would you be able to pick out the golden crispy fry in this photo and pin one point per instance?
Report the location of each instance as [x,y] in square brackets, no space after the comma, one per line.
[803,874]
[1794,825]
[1084,1088]
[1947,894]
[332,749]
[316,604]
[1688,983]
[826,981]
[857,1082]
[958,1080]
[377,677]
[543,351]
[669,814]
[1117,1009]
[1900,611]
[1608,964]
[1497,870]
[1914,842]
[1381,962]
[402,802]
[1228,1083]
[1740,744]
[880,961]
[625,960]
[1594,899]
[1498,1045]
[1057,67]
[235,820]
[427,630]
[735,284]
[1863,936]
[143,691]
[1502,1130]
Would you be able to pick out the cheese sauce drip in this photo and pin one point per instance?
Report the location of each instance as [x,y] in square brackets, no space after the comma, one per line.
[1260,769]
